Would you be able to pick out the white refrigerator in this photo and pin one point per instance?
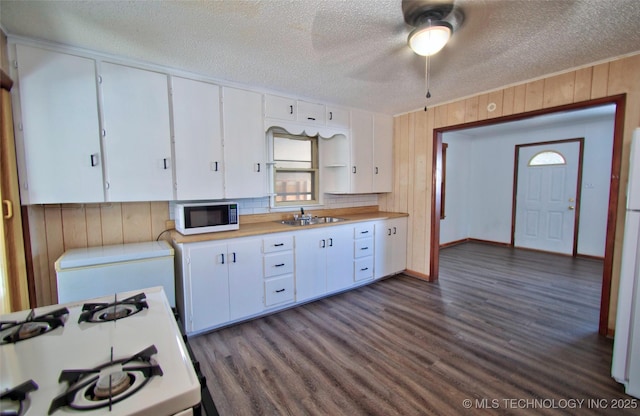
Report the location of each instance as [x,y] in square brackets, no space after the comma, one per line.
[625,366]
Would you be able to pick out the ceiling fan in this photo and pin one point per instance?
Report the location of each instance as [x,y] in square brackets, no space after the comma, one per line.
[434,22]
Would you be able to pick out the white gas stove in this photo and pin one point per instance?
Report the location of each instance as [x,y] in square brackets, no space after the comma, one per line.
[72,361]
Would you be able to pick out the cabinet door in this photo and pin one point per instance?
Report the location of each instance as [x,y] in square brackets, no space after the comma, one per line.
[61,133]
[398,244]
[207,286]
[197,139]
[246,285]
[390,247]
[279,107]
[137,141]
[310,264]
[361,151]
[244,144]
[383,249]
[338,117]
[382,153]
[310,112]
[339,258]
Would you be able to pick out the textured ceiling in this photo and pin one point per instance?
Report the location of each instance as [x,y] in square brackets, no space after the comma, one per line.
[350,53]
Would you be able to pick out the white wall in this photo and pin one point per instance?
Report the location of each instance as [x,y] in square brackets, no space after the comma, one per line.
[480,181]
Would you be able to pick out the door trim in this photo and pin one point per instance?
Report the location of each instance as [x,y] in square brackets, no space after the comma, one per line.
[516,161]
[614,185]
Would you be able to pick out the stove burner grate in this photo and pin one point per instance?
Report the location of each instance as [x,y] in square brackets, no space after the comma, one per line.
[15,401]
[107,384]
[32,326]
[118,309]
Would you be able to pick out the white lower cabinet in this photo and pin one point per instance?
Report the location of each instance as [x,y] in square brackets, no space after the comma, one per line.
[225,281]
[324,261]
[363,249]
[220,281]
[390,247]
[278,262]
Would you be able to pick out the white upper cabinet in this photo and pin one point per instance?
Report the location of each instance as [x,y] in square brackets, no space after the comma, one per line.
[197,136]
[244,144]
[338,117]
[361,151]
[137,137]
[310,112]
[370,154]
[60,144]
[280,107]
[382,153]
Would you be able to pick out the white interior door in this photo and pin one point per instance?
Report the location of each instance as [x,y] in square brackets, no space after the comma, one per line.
[546,196]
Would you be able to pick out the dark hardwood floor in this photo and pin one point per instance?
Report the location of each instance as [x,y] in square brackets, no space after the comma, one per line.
[514,332]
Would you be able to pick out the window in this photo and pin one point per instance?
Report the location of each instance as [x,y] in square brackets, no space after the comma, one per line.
[546,158]
[295,161]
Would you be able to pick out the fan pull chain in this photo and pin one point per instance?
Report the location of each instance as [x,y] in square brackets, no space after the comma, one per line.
[426,76]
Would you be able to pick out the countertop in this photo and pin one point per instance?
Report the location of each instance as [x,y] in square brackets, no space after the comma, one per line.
[271,227]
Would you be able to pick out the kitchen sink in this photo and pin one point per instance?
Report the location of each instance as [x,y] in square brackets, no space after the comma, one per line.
[311,221]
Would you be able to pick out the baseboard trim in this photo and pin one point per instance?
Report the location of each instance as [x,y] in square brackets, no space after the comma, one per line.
[417,275]
[474,240]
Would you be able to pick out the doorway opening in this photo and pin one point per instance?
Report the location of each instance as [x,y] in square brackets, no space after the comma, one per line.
[613,177]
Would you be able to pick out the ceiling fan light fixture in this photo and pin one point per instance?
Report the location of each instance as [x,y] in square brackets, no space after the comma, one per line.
[429,38]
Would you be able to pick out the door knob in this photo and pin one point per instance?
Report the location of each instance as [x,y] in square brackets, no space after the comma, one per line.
[571,207]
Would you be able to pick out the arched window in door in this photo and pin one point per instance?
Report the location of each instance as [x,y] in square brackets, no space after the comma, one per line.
[546,158]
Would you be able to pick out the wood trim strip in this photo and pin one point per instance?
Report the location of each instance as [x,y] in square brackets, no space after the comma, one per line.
[6,83]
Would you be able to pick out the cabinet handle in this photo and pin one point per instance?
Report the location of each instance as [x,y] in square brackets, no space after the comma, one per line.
[222,255]
[290,109]
[331,242]
[164,163]
[394,230]
[376,170]
[234,257]
[311,118]
[279,265]
[216,166]
[330,115]
[94,160]
[388,231]
[364,248]
[354,169]
[258,167]
[278,245]
[366,268]
[324,244]
[279,290]
[9,206]
[364,232]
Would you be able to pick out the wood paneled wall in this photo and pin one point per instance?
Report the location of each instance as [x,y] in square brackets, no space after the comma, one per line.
[413,141]
[53,229]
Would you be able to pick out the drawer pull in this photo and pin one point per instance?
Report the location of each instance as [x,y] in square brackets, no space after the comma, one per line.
[278,245]
[279,265]
[279,290]
[364,248]
[364,232]
[366,268]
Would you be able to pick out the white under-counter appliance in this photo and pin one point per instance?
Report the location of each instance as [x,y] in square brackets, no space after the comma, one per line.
[84,273]
[117,355]
[206,217]
[625,366]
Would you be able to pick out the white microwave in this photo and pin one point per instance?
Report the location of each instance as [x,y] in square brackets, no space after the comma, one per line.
[208,217]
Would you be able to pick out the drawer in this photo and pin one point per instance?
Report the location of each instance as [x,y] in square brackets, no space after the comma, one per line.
[278,290]
[279,243]
[277,264]
[363,247]
[363,269]
[363,231]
